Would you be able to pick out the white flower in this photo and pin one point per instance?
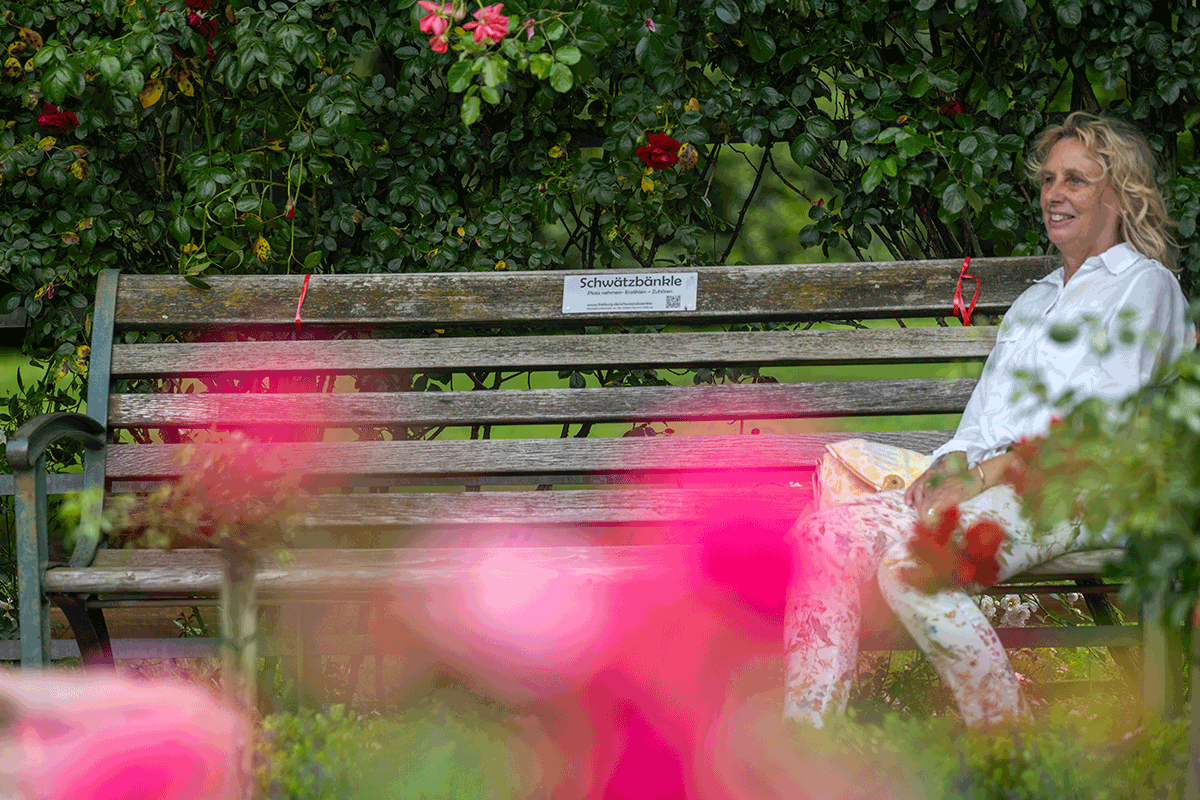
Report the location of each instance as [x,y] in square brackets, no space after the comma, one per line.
[1015,617]
[987,604]
[1010,601]
[1073,597]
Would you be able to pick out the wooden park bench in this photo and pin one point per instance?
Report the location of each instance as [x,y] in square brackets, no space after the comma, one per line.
[493,450]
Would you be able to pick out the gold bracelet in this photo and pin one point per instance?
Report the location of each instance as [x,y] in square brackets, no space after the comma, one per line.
[982,477]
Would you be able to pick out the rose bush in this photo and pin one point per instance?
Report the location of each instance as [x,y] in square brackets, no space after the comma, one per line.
[202,136]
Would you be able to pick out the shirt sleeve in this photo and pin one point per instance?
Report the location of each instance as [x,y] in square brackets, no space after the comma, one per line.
[1140,341]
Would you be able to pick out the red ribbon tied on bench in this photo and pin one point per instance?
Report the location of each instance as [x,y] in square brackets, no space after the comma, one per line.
[303,291]
[961,310]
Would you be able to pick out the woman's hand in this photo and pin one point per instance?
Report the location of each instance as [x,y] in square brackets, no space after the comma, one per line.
[946,483]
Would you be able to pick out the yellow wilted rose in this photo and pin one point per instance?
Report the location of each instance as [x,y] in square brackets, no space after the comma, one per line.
[191,247]
[501,264]
[262,249]
[693,105]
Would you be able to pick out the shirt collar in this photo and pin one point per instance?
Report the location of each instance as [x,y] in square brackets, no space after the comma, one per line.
[1115,260]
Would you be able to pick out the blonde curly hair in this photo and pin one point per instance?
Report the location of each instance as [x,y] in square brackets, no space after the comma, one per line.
[1125,158]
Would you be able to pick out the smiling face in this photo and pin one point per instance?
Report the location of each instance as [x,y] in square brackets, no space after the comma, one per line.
[1079,205]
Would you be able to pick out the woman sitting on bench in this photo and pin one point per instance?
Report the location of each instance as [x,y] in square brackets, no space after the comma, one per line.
[1103,212]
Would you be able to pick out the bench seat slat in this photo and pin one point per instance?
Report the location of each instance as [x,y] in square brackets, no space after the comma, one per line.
[632,351]
[198,571]
[623,404]
[634,455]
[819,291]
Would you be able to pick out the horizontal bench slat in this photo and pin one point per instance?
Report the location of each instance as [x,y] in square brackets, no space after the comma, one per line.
[409,568]
[623,404]
[640,456]
[855,290]
[632,351]
[199,570]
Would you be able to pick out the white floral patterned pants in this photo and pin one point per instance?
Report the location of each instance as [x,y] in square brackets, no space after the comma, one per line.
[840,548]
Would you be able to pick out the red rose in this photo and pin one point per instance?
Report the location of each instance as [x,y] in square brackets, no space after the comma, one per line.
[58,121]
[951,107]
[205,27]
[662,152]
[984,539]
[200,5]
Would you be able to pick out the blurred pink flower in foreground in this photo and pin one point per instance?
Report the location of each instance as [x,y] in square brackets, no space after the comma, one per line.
[101,737]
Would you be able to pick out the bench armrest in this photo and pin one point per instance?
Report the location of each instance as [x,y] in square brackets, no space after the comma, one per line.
[30,441]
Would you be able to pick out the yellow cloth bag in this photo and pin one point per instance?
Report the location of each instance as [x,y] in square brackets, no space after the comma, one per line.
[855,467]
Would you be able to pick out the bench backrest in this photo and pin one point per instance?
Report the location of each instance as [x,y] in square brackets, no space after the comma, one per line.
[349,397]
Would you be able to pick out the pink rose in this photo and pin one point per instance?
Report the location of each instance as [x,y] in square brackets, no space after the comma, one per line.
[491,24]
[101,737]
[650,24]
[529,28]
[436,21]
[58,121]
[437,44]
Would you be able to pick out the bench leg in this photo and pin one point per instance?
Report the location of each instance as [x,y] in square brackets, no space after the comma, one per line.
[1105,613]
[91,632]
[32,559]
[1162,664]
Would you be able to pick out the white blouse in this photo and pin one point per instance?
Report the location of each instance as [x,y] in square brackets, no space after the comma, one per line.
[1118,293]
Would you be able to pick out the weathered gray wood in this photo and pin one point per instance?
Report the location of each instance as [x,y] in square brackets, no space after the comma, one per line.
[411,568]
[56,483]
[511,353]
[726,457]
[757,293]
[607,404]
[198,570]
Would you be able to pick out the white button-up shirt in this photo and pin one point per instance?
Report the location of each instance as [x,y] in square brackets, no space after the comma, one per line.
[1129,314]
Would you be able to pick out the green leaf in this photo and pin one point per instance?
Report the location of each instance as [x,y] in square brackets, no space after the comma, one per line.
[459,75]
[568,55]
[1062,332]
[561,78]
[791,59]
[997,103]
[110,68]
[953,200]
[872,176]
[194,281]
[312,260]
[919,84]
[865,128]
[728,12]
[555,30]
[1070,14]
[179,230]
[760,44]
[539,64]
[1011,11]
[470,110]
[490,94]
[819,126]
[56,82]
[495,70]
[803,149]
